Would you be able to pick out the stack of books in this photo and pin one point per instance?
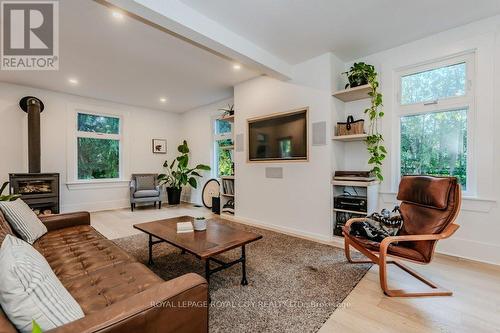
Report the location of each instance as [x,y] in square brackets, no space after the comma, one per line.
[228,186]
[183,227]
[359,176]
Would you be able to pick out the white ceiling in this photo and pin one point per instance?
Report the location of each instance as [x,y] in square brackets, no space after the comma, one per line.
[129,62]
[297,30]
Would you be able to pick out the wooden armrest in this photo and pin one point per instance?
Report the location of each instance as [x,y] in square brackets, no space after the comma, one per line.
[447,232]
[351,221]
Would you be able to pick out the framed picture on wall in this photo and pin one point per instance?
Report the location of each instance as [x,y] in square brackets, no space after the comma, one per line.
[159,146]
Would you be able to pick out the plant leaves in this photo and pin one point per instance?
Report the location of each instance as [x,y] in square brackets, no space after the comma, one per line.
[193,182]
[35,327]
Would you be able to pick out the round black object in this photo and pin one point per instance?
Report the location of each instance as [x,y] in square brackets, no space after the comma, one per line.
[211,189]
[23,103]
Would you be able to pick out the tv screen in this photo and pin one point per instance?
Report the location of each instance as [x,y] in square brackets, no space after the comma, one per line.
[278,137]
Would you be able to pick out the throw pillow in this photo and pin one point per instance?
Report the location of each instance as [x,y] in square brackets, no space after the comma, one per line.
[145,183]
[22,219]
[31,291]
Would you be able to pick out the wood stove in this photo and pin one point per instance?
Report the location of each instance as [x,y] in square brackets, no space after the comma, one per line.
[39,190]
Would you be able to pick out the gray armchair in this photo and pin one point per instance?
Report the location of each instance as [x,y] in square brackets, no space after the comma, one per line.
[144,188]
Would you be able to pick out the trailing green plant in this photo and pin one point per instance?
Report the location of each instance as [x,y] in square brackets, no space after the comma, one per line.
[361,72]
[228,111]
[7,197]
[179,173]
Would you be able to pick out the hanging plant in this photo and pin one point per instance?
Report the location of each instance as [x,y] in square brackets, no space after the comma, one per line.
[359,73]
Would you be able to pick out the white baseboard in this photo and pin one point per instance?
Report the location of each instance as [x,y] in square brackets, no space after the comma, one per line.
[95,206]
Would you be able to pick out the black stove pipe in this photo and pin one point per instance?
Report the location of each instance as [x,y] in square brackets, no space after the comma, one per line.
[33,107]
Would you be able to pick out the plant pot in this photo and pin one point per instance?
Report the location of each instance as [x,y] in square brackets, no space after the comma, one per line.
[174,195]
[356,81]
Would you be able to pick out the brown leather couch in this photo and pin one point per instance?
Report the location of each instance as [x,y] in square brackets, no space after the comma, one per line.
[116,293]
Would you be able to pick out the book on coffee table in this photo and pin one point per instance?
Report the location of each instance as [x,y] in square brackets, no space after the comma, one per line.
[184,227]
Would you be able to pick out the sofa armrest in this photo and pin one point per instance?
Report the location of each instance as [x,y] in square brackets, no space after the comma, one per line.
[59,221]
[179,305]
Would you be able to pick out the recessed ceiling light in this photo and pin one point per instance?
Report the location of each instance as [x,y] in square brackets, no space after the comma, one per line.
[73,81]
[237,66]
[163,100]
[117,15]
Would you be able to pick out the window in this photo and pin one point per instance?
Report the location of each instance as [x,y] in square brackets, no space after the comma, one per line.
[435,103]
[223,148]
[98,147]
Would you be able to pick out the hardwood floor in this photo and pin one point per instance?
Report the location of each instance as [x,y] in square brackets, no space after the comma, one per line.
[474,307]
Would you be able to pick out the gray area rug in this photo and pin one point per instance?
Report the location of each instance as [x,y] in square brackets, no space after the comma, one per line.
[294,284]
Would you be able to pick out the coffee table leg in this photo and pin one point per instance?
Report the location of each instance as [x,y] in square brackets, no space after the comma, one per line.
[150,262]
[207,270]
[244,281]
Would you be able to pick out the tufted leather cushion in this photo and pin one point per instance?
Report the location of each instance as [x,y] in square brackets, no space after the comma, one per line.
[104,287]
[426,191]
[67,236]
[81,258]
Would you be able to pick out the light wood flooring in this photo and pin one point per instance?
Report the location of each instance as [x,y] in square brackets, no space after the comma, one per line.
[474,307]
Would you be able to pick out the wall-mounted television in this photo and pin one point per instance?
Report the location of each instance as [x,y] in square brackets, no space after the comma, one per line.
[278,137]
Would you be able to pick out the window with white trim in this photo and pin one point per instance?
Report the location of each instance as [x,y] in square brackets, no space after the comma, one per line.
[223,144]
[435,103]
[98,144]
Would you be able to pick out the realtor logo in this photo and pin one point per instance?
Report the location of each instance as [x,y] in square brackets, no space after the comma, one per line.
[30,35]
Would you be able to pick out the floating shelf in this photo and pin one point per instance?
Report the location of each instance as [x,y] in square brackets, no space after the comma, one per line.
[227,147]
[355,183]
[228,118]
[349,211]
[227,177]
[349,138]
[353,94]
[227,195]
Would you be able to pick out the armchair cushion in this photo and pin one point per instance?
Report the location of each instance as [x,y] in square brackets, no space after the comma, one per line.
[145,182]
[431,192]
[146,193]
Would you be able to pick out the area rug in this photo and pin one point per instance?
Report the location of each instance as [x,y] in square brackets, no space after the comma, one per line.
[294,284]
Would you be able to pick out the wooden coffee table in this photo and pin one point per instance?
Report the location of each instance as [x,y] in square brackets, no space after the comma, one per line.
[218,238]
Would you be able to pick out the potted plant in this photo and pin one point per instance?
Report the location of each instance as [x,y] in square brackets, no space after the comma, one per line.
[359,74]
[179,174]
[200,223]
[229,111]
[7,197]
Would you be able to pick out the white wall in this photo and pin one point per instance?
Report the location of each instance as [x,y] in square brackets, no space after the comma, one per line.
[480,217]
[301,201]
[142,126]
[197,129]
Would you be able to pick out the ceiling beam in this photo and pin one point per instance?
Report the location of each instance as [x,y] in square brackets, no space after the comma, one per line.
[176,18]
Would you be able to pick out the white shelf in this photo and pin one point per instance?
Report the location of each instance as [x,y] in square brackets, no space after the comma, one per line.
[227,147]
[227,177]
[353,94]
[349,211]
[354,183]
[227,195]
[228,118]
[350,138]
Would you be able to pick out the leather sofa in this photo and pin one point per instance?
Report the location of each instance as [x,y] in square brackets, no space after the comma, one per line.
[116,293]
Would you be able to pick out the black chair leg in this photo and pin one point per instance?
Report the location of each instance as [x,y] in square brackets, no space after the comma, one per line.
[154,204]
[159,204]
[132,206]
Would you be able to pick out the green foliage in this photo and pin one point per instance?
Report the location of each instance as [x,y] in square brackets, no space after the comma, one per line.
[98,158]
[225,161]
[435,144]
[98,124]
[178,172]
[374,140]
[35,327]
[228,111]
[7,197]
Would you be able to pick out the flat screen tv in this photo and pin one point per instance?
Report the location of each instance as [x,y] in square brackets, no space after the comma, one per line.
[281,137]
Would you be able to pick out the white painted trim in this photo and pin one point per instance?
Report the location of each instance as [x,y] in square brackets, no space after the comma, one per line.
[96,206]
[97,184]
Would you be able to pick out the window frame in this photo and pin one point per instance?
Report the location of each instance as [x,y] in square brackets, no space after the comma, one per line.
[215,138]
[72,181]
[466,101]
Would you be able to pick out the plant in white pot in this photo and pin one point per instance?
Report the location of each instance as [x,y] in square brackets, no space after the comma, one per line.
[200,223]
[179,174]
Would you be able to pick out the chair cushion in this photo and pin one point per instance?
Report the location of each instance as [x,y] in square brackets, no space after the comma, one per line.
[31,291]
[432,192]
[146,194]
[80,259]
[146,182]
[107,286]
[22,219]
[396,250]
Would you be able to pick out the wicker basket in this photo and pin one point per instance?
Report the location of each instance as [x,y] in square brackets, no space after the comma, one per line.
[351,127]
